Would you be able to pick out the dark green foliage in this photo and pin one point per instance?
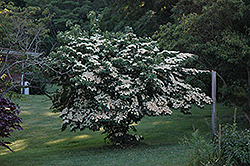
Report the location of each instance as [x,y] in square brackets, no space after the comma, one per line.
[20,3]
[234,147]
[37,87]
[231,147]
[201,152]
[65,10]
[19,29]
[218,32]
[144,16]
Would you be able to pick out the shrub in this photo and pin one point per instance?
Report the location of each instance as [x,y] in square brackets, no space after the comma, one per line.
[8,120]
[233,145]
[230,147]
[201,151]
[113,80]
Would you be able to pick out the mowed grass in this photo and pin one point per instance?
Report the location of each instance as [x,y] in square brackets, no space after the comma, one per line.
[42,143]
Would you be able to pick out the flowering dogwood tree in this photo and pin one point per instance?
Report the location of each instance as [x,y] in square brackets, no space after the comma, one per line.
[113,80]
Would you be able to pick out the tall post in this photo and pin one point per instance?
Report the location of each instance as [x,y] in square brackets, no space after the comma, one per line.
[22,84]
[22,80]
[214,102]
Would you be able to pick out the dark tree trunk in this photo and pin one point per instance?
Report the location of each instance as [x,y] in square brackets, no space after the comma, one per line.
[248,95]
[248,88]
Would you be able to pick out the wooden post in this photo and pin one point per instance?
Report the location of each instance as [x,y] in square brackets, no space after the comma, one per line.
[22,81]
[214,102]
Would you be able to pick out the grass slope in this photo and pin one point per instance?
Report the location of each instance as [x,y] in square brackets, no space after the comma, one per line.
[42,143]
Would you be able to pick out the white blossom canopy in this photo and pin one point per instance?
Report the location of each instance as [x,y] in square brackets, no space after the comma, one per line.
[118,78]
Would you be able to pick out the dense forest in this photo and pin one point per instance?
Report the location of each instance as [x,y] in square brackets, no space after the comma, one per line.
[217,31]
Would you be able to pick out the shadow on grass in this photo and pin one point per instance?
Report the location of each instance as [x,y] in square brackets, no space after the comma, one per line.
[16,146]
[42,142]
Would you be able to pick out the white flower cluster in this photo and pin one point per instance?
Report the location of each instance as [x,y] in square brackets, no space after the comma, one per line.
[119,76]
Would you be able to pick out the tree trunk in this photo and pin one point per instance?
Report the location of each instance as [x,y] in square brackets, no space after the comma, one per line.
[248,95]
[248,88]
[246,116]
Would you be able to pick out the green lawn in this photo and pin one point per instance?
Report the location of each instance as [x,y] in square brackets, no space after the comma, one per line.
[42,143]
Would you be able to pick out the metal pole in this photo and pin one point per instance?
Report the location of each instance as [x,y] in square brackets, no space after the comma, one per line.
[214,102]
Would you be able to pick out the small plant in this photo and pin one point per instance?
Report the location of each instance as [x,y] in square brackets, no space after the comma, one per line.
[230,147]
[233,145]
[201,151]
[8,120]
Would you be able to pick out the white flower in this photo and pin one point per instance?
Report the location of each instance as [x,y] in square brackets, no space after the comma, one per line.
[124,90]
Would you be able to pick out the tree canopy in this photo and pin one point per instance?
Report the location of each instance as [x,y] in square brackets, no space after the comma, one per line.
[217,31]
[113,80]
[68,10]
[144,16]
[20,45]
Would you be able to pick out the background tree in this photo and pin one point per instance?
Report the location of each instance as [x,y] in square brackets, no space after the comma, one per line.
[113,80]
[20,44]
[20,41]
[19,3]
[8,110]
[62,12]
[68,10]
[144,16]
[217,31]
